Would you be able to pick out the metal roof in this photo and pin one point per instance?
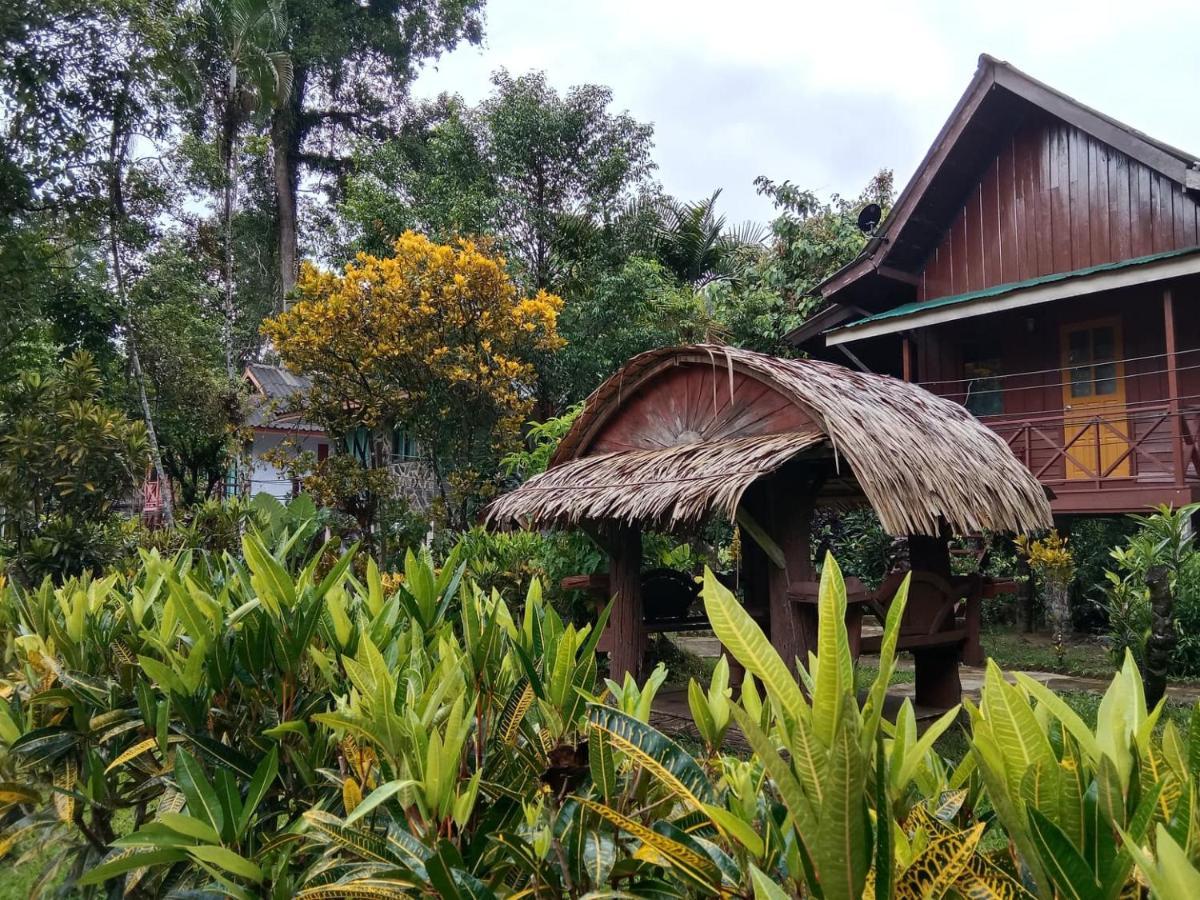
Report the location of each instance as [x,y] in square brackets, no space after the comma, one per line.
[1012,287]
[275,400]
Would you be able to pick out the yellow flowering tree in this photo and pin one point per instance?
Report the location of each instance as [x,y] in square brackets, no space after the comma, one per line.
[435,337]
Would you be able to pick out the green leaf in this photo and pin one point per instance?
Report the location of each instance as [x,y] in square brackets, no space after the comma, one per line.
[843,850]
[1019,738]
[377,796]
[799,806]
[877,694]
[745,641]
[598,854]
[1172,874]
[602,764]
[127,861]
[764,887]
[692,865]
[736,828]
[202,799]
[834,689]
[698,704]
[162,674]
[884,851]
[916,754]
[673,766]
[189,826]
[1068,870]
[229,861]
[359,841]
[264,777]
[270,580]
[1070,719]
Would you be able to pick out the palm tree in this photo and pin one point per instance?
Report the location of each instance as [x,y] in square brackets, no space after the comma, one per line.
[255,77]
[695,242]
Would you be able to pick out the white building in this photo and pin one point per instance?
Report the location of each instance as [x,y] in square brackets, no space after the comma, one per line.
[275,420]
[274,397]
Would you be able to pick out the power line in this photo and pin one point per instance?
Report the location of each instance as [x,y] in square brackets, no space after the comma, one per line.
[1045,386]
[1024,373]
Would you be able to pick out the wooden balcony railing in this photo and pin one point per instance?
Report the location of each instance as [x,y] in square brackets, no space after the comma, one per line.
[1139,444]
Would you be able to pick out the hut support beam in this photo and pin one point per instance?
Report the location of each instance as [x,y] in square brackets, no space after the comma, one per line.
[628,633]
[793,629]
[751,526]
[936,668]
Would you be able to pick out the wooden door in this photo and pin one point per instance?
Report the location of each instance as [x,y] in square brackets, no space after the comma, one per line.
[1095,429]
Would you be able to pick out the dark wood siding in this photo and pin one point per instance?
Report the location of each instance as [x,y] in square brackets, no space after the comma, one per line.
[1054,199]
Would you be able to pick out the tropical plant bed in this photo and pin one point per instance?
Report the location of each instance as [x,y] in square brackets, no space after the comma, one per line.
[282,727]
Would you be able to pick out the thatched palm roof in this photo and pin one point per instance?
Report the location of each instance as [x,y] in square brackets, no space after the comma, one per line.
[918,459]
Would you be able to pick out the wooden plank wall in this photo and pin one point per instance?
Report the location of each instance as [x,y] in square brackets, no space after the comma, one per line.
[1052,200]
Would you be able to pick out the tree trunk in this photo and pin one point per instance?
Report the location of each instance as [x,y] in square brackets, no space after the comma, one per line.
[1161,643]
[285,150]
[118,148]
[1026,597]
[229,157]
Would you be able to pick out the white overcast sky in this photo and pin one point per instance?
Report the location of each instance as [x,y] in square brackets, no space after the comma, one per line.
[826,93]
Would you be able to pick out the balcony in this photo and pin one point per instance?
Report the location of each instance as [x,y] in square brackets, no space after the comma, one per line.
[1122,460]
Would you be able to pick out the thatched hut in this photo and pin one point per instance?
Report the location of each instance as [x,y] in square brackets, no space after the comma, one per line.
[682,433]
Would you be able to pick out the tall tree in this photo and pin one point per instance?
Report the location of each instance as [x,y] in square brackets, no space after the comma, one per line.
[810,239]
[351,64]
[564,185]
[697,243]
[252,77]
[81,81]
[121,130]
[179,331]
[556,158]
[434,177]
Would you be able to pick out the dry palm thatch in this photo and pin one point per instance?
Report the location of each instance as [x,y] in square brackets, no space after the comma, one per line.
[918,459]
[667,487]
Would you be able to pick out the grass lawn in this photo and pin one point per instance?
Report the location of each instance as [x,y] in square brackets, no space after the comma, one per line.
[18,880]
[1084,656]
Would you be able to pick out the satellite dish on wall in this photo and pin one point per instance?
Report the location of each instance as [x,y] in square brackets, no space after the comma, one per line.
[868,217]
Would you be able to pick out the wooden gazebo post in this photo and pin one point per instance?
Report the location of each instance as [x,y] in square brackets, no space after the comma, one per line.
[778,518]
[625,623]
[937,680]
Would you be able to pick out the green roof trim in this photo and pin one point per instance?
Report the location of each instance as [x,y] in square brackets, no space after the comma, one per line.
[1014,286]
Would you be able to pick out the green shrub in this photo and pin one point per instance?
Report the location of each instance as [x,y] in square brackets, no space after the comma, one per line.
[67,458]
[857,540]
[1092,541]
[1161,539]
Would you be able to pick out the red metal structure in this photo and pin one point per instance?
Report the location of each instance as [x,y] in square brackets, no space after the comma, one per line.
[1042,268]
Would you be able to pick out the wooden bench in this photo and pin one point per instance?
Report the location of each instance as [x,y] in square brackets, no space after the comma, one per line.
[666,596]
[941,625]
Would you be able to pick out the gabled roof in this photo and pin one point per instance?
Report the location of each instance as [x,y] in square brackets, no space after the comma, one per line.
[276,382]
[999,93]
[275,402]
